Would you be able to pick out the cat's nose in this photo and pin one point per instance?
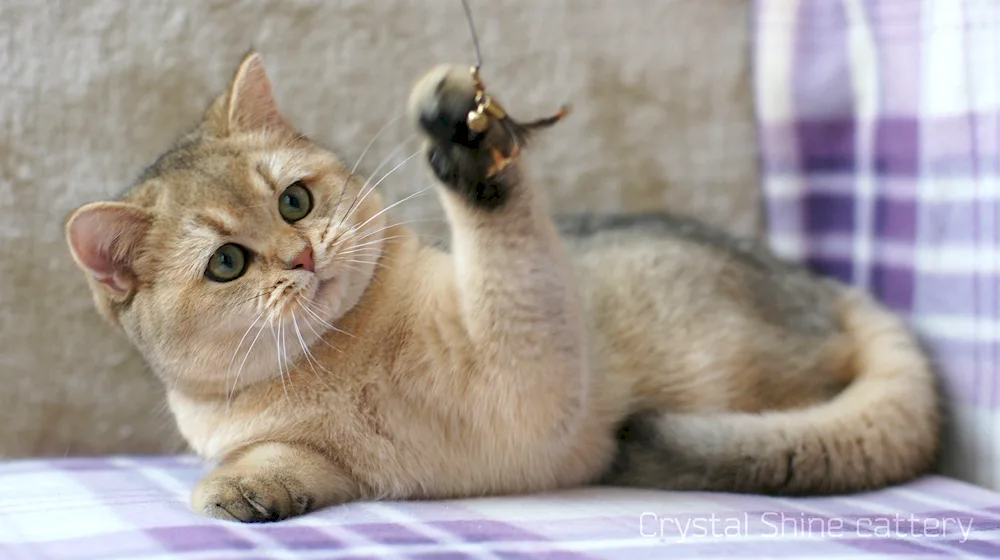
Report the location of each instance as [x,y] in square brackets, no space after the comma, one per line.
[304,260]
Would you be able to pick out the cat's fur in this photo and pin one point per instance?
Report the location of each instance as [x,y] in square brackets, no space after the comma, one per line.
[645,350]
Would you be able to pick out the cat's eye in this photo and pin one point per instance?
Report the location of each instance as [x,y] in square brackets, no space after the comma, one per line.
[295,203]
[228,263]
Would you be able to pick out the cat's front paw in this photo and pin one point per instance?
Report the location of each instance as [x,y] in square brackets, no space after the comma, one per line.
[251,498]
[440,103]
[477,162]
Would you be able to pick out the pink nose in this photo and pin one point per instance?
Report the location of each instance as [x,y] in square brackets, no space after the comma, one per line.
[304,260]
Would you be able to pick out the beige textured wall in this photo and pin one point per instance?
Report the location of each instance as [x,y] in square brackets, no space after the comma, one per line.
[92,90]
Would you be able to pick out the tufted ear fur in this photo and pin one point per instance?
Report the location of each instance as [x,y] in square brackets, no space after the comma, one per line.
[104,238]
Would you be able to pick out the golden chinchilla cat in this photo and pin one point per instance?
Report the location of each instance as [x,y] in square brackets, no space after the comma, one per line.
[530,354]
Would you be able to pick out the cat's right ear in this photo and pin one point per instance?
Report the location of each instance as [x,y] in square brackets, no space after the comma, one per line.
[104,238]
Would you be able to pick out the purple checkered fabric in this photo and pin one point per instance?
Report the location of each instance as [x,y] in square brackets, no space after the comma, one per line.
[880,156]
[116,508]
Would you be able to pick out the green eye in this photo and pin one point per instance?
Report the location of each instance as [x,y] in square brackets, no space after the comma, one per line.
[228,263]
[295,203]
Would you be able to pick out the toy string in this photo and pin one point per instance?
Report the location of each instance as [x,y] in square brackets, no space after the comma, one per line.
[475,36]
[487,107]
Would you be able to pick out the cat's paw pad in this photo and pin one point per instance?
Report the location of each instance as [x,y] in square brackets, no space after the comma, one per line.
[251,498]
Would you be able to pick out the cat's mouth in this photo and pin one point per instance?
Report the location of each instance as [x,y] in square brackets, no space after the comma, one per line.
[300,296]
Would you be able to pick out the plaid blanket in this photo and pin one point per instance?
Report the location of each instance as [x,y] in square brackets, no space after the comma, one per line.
[117,508]
[880,137]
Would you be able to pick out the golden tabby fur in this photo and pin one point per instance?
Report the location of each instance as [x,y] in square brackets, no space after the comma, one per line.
[351,362]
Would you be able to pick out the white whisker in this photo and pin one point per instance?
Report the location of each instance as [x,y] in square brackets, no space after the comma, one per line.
[354,168]
[239,345]
[359,260]
[391,206]
[376,241]
[310,359]
[372,141]
[277,344]
[351,267]
[315,305]
[306,306]
[378,168]
[372,263]
[365,257]
[323,340]
[368,234]
[244,337]
[379,182]
[236,381]
[370,251]
[288,363]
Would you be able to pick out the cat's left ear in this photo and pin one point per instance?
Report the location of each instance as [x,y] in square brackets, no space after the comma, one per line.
[250,105]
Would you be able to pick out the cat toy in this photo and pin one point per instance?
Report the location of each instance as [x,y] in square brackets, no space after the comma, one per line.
[478,119]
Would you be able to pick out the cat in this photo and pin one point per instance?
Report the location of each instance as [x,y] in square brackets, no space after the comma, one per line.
[528,354]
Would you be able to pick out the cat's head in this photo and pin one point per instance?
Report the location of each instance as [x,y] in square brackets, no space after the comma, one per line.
[244,230]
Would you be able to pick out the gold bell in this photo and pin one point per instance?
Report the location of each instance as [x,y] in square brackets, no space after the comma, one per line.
[477,120]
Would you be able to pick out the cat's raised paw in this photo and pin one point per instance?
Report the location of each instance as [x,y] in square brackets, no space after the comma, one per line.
[440,103]
[477,162]
[252,498]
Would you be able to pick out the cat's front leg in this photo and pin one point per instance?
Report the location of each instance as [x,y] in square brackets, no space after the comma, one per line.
[272,481]
[513,282]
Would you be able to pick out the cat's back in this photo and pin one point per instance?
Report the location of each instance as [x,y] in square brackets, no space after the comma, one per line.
[670,295]
[659,255]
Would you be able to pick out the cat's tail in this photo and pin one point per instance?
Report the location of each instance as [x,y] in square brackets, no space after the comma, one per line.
[882,429]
